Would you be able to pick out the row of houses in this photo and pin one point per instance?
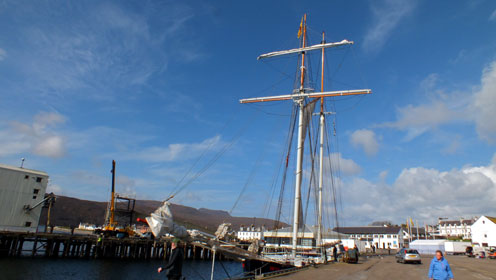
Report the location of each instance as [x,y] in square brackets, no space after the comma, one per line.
[482,232]
[364,237]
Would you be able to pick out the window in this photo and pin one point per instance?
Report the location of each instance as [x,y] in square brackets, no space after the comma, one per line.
[382,236]
[485,235]
[389,236]
[38,179]
[34,196]
[483,222]
[36,191]
[26,176]
[28,224]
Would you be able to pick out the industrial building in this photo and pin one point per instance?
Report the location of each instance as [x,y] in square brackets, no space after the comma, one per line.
[22,193]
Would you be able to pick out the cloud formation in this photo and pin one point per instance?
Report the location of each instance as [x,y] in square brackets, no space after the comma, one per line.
[39,137]
[366,140]
[3,54]
[484,105]
[347,166]
[98,53]
[425,194]
[476,106]
[177,151]
[492,17]
[386,15]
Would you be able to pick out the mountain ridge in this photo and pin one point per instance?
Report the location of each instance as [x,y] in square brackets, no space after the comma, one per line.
[70,211]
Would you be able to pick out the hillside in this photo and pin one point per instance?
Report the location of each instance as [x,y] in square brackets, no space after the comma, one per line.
[69,211]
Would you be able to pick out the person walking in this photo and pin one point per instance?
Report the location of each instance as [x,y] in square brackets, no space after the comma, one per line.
[335,253]
[175,264]
[439,268]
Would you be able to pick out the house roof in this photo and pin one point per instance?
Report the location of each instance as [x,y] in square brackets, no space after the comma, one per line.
[492,219]
[457,222]
[368,230]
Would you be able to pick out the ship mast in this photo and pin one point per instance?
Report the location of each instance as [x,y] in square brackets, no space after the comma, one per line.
[299,98]
[299,151]
[321,159]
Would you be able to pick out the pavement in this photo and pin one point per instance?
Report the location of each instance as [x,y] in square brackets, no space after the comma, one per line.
[386,267]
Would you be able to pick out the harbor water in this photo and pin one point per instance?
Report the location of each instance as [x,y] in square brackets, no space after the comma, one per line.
[55,269]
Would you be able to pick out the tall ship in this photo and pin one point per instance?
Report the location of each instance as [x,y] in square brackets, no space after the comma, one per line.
[305,98]
[308,103]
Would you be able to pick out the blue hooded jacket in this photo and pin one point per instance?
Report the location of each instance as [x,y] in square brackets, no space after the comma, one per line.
[440,270]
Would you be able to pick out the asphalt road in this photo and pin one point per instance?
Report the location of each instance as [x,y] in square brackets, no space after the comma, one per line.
[387,268]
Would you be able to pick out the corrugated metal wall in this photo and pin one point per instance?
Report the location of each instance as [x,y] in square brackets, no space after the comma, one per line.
[20,187]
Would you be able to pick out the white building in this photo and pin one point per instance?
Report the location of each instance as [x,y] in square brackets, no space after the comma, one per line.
[22,192]
[383,237]
[459,228]
[484,231]
[250,233]
[307,238]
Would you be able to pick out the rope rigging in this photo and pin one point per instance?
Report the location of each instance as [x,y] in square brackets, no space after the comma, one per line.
[214,159]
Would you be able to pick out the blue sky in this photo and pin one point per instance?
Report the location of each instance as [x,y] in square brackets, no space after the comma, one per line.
[154,84]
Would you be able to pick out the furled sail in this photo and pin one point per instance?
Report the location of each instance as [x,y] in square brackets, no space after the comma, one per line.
[307,117]
[161,223]
[308,110]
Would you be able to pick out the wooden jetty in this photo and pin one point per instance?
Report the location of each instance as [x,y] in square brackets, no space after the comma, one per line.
[54,245]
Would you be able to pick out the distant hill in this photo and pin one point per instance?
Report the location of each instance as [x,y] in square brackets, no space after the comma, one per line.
[69,211]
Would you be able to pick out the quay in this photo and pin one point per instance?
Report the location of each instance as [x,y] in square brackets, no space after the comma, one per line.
[56,245]
[385,267]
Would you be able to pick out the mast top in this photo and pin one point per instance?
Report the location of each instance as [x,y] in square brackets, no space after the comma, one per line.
[302,92]
[305,49]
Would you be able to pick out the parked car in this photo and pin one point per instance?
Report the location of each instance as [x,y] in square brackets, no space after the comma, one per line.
[469,252]
[492,253]
[405,255]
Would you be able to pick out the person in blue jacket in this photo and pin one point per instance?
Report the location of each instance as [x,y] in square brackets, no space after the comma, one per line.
[440,269]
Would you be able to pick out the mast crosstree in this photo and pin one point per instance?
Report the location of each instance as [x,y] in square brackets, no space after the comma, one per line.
[299,96]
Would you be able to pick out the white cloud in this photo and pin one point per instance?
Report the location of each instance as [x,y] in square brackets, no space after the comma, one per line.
[3,54]
[484,104]
[453,146]
[417,120]
[430,81]
[475,106]
[56,189]
[386,16]
[49,146]
[346,166]
[38,137]
[424,194]
[12,143]
[177,151]
[492,16]
[366,140]
[102,51]
[383,175]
